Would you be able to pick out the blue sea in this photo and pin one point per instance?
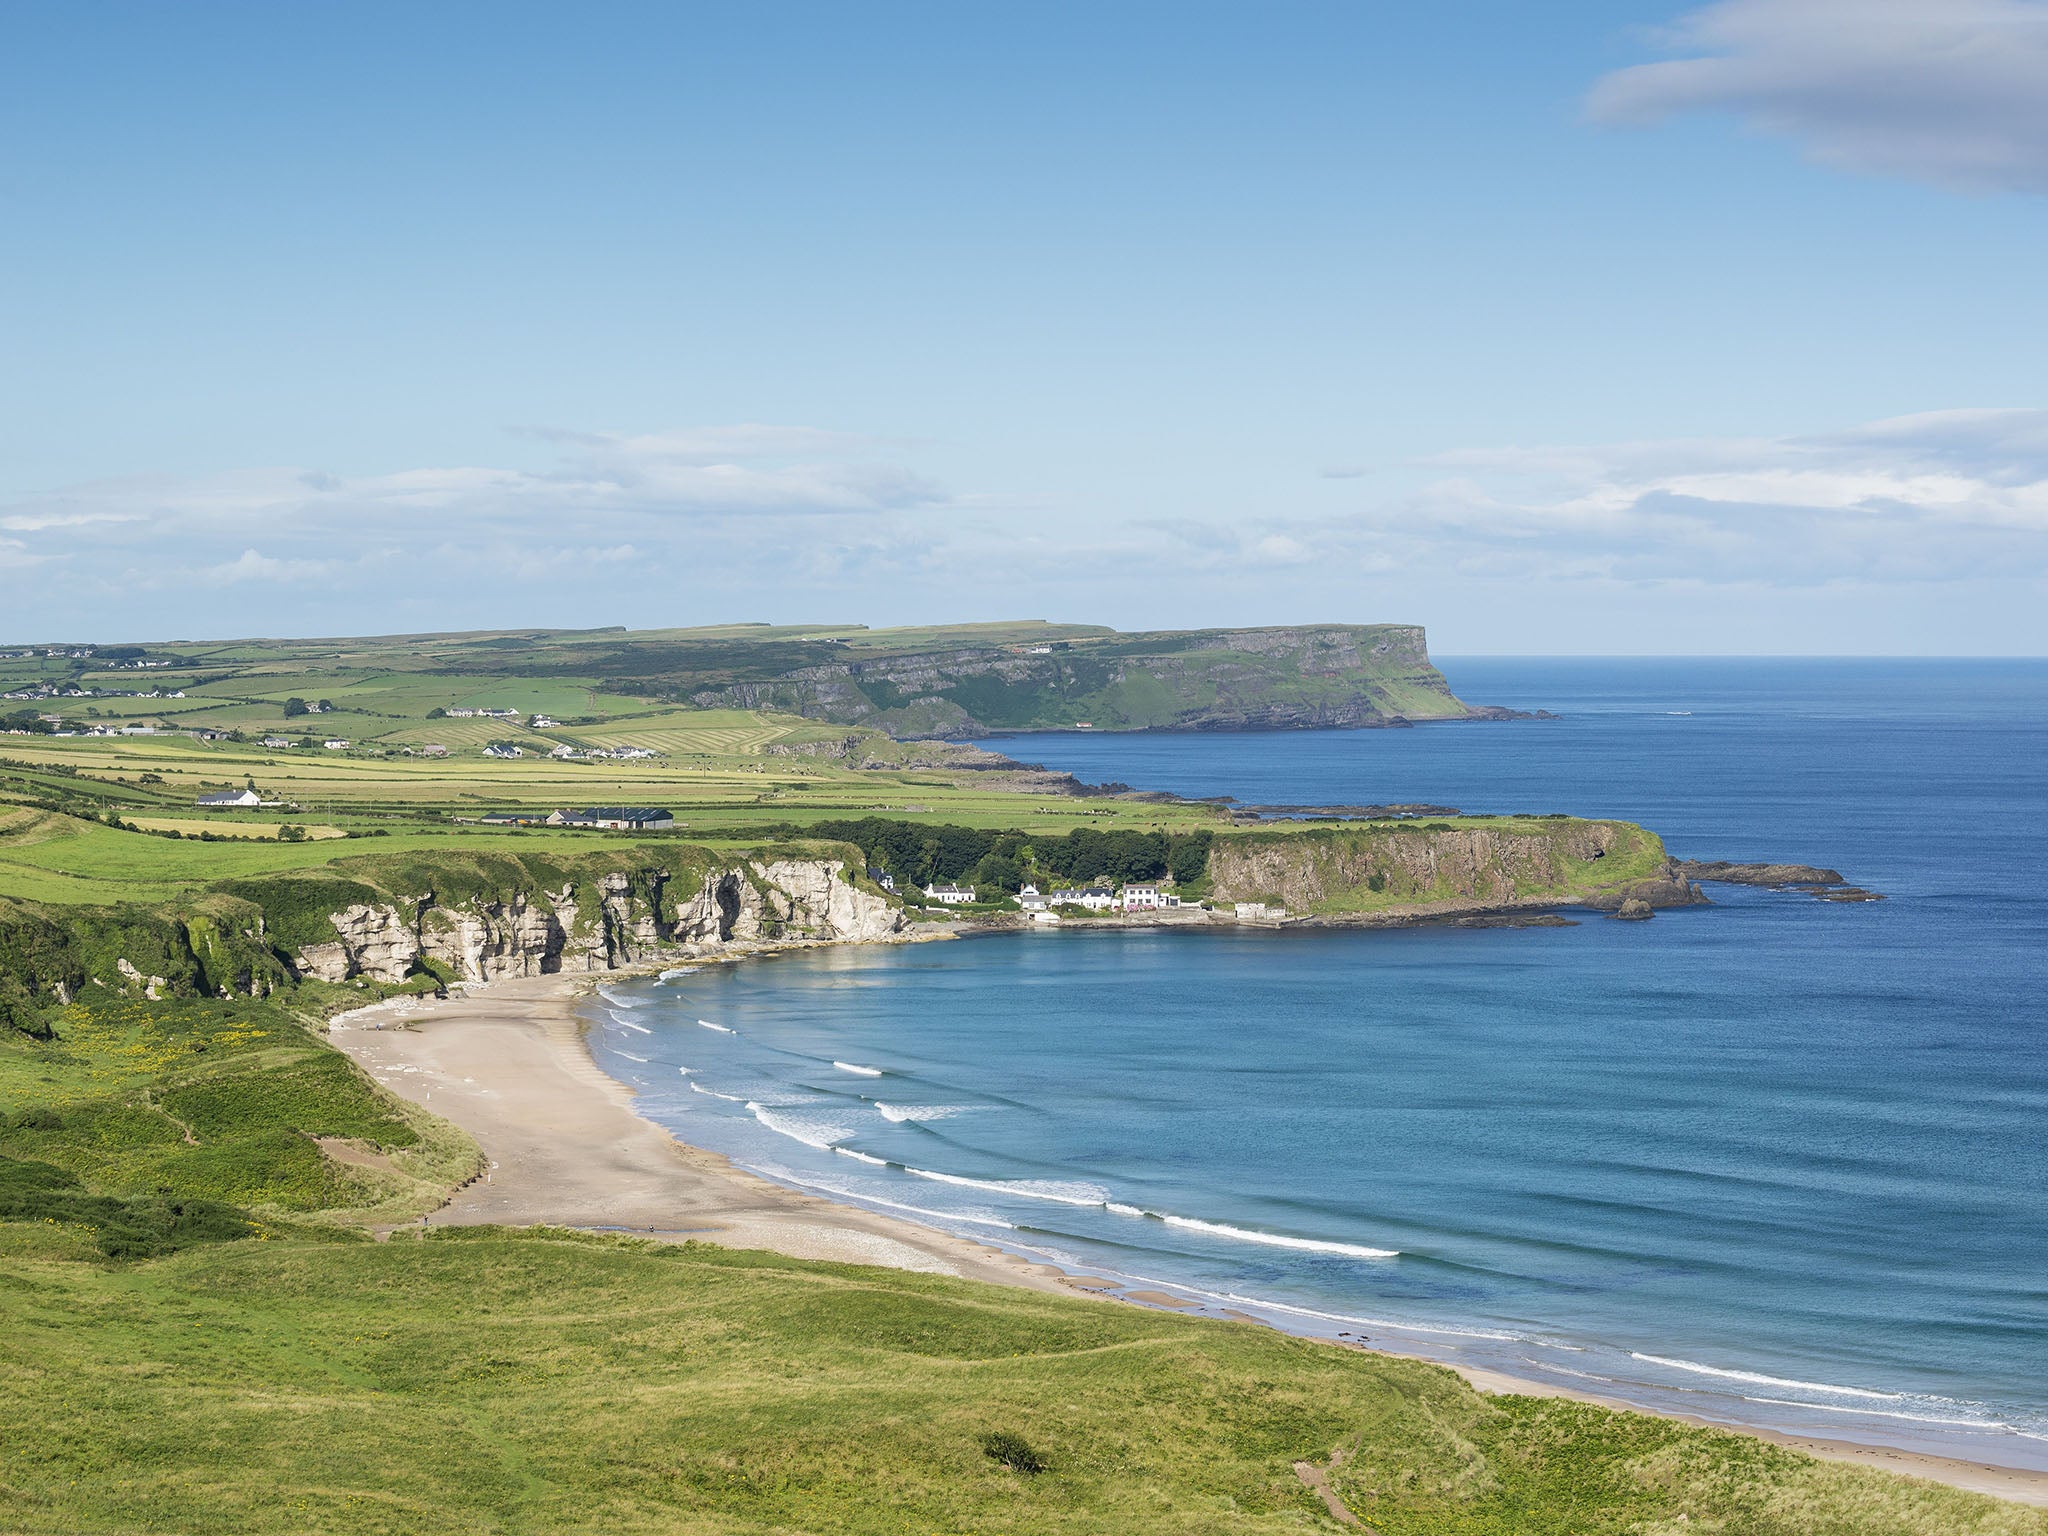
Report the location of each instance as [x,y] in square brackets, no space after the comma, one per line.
[1773,1161]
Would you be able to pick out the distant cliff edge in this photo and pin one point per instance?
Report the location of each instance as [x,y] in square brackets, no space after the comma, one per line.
[1296,677]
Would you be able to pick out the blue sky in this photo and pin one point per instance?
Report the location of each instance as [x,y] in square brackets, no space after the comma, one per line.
[1603,328]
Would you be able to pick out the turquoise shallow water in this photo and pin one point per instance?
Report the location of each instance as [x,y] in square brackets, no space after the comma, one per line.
[1774,1161]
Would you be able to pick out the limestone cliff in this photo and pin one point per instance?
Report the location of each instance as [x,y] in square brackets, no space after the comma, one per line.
[619,919]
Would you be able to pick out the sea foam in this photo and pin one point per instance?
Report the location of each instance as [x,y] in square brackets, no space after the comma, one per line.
[898,1113]
[812,1133]
[1280,1240]
[1056,1191]
[707,1024]
[1757,1380]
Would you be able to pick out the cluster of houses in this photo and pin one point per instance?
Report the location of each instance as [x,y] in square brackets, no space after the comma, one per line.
[610,818]
[35,691]
[1137,896]
[568,754]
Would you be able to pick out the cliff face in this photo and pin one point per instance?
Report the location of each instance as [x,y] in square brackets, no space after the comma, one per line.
[1246,679]
[1409,870]
[619,920]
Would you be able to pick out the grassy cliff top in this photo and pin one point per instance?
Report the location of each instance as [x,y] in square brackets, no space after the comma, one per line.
[933,680]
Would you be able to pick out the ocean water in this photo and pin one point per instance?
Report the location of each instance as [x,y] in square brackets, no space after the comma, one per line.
[1774,1161]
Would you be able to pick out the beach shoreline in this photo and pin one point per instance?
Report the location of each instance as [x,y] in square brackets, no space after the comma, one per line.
[565,1146]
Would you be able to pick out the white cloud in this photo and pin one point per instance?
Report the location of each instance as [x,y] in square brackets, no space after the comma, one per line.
[1945,495]
[253,565]
[1953,92]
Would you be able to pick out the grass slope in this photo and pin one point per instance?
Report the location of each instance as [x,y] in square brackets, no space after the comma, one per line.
[487,1381]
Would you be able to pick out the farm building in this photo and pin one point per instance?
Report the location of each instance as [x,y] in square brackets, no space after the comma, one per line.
[616,818]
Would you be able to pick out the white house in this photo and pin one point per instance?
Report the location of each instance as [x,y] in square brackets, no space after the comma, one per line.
[1096,898]
[543,723]
[949,895]
[230,800]
[275,742]
[1030,899]
[564,752]
[494,750]
[336,744]
[434,749]
[1142,898]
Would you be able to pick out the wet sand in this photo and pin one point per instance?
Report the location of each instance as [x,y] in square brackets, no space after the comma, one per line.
[508,1064]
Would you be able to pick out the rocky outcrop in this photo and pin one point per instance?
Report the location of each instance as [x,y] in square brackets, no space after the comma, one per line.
[1827,884]
[1668,888]
[1757,874]
[620,919]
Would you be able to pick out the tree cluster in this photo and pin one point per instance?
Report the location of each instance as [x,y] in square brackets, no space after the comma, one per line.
[922,854]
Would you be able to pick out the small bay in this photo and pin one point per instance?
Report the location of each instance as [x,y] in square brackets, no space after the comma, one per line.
[1774,1161]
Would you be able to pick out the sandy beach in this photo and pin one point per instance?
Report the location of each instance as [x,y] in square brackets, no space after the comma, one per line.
[507,1063]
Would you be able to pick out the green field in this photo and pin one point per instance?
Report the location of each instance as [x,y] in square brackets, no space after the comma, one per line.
[947,681]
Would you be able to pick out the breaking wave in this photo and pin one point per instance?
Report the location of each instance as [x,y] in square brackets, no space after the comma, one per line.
[678,970]
[857,1069]
[1280,1240]
[713,1093]
[898,1113]
[707,1024]
[812,1133]
[1756,1380]
[979,1219]
[622,1001]
[1057,1191]
[629,1024]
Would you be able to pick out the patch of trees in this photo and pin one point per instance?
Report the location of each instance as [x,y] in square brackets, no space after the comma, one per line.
[923,854]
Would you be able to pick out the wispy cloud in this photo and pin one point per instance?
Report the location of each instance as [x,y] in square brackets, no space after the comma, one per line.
[1940,496]
[1953,92]
[626,530]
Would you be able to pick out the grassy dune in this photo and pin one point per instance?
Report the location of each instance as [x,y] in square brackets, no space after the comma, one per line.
[491,1381]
